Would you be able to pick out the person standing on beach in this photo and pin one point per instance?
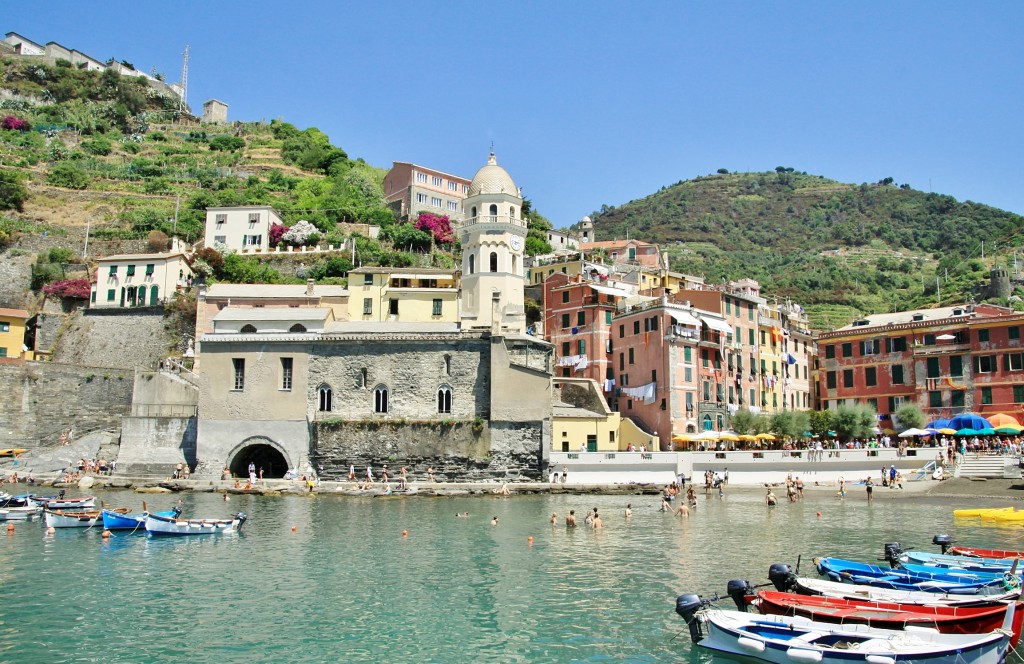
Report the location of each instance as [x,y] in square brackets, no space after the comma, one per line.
[369,474]
[352,472]
[565,474]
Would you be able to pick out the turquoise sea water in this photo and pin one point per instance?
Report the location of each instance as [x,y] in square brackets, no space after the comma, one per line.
[347,586]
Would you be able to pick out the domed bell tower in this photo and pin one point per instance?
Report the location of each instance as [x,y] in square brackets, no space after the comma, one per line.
[493,236]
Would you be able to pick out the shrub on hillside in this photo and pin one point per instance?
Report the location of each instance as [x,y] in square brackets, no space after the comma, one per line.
[439,226]
[13,123]
[68,175]
[98,146]
[13,192]
[227,143]
[277,231]
[158,241]
[79,288]
[211,257]
[301,234]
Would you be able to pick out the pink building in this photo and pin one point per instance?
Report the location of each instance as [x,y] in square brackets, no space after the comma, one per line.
[411,189]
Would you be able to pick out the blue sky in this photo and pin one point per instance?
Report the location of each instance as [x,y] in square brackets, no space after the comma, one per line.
[593,103]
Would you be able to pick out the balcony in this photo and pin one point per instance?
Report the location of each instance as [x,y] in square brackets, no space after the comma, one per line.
[491,219]
[940,349]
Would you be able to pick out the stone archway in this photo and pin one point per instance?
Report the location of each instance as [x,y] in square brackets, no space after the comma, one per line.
[262,453]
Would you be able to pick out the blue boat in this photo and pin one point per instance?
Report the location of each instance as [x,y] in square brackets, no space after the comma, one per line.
[929,579]
[962,563]
[135,521]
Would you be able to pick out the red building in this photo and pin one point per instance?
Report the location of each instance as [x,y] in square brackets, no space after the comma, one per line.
[948,360]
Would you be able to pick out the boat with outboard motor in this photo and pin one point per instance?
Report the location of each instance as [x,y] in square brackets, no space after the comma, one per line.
[134,521]
[60,502]
[784,640]
[165,525]
[916,577]
[889,615]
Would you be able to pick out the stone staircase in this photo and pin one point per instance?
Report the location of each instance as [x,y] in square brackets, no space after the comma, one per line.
[998,467]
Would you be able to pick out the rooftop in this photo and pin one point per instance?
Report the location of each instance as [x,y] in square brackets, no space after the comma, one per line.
[141,257]
[272,291]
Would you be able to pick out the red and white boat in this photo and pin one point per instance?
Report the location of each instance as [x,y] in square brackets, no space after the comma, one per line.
[889,615]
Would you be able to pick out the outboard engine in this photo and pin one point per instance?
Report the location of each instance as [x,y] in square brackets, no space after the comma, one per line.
[892,553]
[782,577]
[687,606]
[945,541]
[176,511]
[241,516]
[739,589]
[60,494]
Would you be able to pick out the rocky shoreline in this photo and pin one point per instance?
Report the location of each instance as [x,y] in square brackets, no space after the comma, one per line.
[958,488]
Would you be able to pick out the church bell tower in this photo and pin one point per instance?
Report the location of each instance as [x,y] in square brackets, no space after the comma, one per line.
[493,236]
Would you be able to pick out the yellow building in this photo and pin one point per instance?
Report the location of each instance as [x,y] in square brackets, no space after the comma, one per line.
[581,421]
[769,377]
[12,334]
[409,295]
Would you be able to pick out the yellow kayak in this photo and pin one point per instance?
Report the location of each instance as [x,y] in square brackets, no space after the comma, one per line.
[984,512]
[1005,517]
[12,452]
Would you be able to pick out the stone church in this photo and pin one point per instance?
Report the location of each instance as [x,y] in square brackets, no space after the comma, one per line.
[297,388]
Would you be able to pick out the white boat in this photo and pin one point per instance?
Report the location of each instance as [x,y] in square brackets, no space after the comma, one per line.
[71,519]
[812,586]
[784,640]
[166,525]
[62,503]
[19,513]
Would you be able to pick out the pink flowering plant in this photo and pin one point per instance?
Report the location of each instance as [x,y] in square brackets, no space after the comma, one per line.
[438,226]
[12,123]
[80,288]
[277,232]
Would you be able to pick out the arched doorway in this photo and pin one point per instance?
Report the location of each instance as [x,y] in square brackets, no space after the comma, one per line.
[262,453]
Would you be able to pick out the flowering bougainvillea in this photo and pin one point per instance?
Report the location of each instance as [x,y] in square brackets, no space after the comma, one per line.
[15,124]
[80,288]
[301,234]
[438,226]
[277,231]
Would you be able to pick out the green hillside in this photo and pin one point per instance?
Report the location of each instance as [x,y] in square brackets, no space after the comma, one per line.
[839,248]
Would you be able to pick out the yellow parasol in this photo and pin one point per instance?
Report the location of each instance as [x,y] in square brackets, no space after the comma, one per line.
[766,436]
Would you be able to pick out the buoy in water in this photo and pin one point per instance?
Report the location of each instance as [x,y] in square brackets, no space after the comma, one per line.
[405,533]
[51,530]
[294,529]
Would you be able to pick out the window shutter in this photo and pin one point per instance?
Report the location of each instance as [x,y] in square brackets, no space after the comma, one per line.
[977,365]
[1006,362]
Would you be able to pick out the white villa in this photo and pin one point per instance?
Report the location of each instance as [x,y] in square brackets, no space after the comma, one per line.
[139,280]
[241,229]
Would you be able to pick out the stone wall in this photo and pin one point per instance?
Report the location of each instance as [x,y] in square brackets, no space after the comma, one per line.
[42,399]
[125,339]
[155,445]
[463,451]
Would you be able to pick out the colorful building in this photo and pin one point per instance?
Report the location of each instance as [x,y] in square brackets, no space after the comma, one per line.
[404,294]
[410,189]
[139,280]
[12,335]
[947,360]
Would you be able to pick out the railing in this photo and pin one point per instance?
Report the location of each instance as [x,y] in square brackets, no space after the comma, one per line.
[318,249]
[492,219]
[163,410]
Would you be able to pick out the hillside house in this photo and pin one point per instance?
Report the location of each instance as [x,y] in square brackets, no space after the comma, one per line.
[410,189]
[139,280]
[242,229]
[12,335]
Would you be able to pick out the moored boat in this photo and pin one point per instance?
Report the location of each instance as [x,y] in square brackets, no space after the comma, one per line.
[961,563]
[891,615]
[982,512]
[60,502]
[71,518]
[117,520]
[810,586]
[19,513]
[973,552]
[164,525]
[796,639]
[931,579]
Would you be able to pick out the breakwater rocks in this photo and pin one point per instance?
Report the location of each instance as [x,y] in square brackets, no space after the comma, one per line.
[297,487]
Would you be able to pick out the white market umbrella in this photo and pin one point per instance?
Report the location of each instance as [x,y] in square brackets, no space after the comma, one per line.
[915,432]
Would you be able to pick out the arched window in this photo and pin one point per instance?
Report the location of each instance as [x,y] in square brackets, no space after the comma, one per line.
[444,399]
[447,365]
[494,210]
[153,293]
[380,399]
[472,263]
[494,261]
[515,263]
[324,398]
[248,329]
[298,327]
[142,296]
[512,212]
[708,426]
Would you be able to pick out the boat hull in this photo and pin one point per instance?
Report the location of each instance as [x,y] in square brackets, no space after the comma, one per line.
[937,581]
[785,640]
[962,563]
[811,586]
[160,525]
[71,519]
[972,552]
[891,615]
[982,512]
[115,521]
[19,513]
[55,503]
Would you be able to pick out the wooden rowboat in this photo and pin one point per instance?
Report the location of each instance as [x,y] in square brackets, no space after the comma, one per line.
[985,553]
[164,525]
[890,615]
[72,519]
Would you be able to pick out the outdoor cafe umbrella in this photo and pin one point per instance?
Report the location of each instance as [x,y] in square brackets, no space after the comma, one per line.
[706,435]
[946,431]
[746,437]
[937,424]
[965,432]
[987,431]
[1003,420]
[729,436]
[915,432]
[969,421]
[1009,429]
[766,436]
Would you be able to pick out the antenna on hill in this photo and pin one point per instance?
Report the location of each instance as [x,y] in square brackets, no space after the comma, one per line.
[184,80]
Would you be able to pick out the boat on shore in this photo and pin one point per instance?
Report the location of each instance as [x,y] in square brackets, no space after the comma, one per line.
[783,640]
[890,615]
[165,525]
